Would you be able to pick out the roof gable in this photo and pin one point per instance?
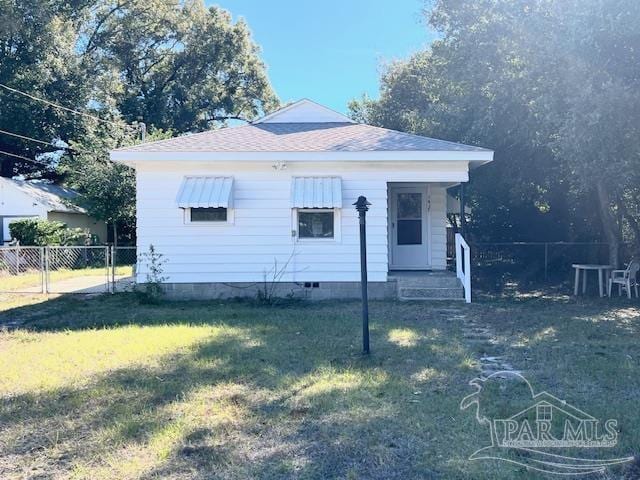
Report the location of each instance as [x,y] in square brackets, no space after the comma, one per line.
[305,111]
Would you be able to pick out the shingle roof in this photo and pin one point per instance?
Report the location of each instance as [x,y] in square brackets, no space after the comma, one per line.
[301,137]
[48,194]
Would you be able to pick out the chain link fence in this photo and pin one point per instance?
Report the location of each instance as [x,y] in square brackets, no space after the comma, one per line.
[124,262]
[67,269]
[22,269]
[532,265]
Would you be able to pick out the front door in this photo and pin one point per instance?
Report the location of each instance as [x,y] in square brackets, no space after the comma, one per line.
[409,227]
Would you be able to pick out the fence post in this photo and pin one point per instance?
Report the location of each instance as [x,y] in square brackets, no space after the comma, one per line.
[46,269]
[106,268]
[18,259]
[43,288]
[113,268]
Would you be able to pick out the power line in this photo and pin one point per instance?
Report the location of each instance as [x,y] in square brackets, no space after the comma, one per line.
[22,157]
[76,112]
[32,160]
[49,144]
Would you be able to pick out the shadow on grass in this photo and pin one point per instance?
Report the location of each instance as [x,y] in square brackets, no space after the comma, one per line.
[286,394]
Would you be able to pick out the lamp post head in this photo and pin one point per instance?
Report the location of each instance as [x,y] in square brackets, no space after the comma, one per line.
[362,205]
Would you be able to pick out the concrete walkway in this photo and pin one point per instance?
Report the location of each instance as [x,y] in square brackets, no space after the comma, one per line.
[90,284]
[87,284]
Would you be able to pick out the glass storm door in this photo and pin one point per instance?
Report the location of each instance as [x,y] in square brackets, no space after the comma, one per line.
[409,227]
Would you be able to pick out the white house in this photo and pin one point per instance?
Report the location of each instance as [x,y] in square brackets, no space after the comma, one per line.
[21,199]
[272,201]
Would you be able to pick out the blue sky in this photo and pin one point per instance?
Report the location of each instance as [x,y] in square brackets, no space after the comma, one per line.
[331,50]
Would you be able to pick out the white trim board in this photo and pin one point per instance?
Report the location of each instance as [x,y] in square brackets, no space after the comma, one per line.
[373,156]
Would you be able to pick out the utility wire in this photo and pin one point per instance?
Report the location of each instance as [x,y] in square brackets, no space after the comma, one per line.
[76,112]
[32,160]
[49,144]
[21,157]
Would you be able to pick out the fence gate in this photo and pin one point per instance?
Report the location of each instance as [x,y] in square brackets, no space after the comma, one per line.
[76,269]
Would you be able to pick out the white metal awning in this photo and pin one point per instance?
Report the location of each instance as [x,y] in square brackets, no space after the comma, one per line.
[206,192]
[316,192]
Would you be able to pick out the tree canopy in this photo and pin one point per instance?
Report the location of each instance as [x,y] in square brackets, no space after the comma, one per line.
[553,87]
[175,65]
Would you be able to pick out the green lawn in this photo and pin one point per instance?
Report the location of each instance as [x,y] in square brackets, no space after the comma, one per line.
[106,388]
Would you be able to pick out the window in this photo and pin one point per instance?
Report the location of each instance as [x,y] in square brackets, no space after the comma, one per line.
[316,223]
[409,218]
[208,214]
[544,413]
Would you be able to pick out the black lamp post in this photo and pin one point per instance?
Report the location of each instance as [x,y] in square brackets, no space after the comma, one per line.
[362,205]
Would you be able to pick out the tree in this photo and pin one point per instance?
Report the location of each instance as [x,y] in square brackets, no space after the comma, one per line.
[551,86]
[37,55]
[176,65]
[182,65]
[106,190]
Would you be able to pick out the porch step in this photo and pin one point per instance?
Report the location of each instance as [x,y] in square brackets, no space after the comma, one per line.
[431,293]
[428,286]
[428,280]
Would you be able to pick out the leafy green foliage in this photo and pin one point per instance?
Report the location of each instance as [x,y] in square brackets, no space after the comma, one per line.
[38,55]
[177,66]
[182,65]
[152,290]
[552,86]
[41,232]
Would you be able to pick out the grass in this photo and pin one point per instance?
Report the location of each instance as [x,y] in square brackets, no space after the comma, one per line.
[107,388]
[33,280]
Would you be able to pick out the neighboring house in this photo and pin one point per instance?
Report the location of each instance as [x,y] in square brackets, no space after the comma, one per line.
[21,199]
[272,200]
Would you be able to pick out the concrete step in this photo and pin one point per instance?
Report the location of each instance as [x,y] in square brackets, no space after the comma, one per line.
[430,293]
[429,282]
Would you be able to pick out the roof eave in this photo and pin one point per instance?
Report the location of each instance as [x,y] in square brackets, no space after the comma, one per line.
[61,210]
[476,157]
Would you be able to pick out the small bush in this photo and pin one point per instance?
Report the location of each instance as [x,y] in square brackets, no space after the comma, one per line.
[41,232]
[152,291]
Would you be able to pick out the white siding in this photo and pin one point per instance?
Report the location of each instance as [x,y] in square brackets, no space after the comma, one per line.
[16,205]
[260,235]
[438,217]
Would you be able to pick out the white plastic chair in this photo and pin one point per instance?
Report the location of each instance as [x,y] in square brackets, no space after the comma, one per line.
[625,278]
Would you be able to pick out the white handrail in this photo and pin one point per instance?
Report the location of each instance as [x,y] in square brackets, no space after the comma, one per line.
[463,265]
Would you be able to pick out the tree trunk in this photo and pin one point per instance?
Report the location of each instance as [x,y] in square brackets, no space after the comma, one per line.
[608,223]
[633,223]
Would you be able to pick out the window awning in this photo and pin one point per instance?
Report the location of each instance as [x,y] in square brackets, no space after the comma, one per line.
[316,192]
[206,192]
